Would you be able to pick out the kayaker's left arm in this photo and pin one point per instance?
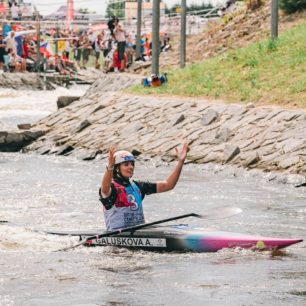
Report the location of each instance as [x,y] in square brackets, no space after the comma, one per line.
[108,174]
[170,182]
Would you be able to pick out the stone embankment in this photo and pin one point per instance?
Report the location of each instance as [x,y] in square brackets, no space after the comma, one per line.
[268,138]
[24,80]
[32,81]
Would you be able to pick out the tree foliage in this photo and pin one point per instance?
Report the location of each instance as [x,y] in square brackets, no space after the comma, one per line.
[115,8]
[291,6]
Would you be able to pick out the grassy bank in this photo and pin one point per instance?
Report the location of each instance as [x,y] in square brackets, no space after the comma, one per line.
[263,73]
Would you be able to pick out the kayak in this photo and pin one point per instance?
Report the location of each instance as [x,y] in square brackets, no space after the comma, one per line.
[181,238]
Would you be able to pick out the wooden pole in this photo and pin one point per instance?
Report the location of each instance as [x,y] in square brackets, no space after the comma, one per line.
[274,19]
[38,41]
[155,37]
[56,42]
[183,35]
[138,35]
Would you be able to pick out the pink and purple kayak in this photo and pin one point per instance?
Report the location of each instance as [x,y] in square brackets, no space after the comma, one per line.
[182,238]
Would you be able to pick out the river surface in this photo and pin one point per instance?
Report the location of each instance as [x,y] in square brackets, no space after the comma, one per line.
[27,106]
[52,192]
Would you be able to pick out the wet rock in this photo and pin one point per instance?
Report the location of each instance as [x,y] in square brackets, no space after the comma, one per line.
[252,159]
[290,161]
[292,144]
[223,134]
[115,117]
[64,101]
[131,128]
[136,152]
[83,125]
[230,151]
[98,108]
[65,150]
[250,105]
[210,116]
[178,120]
[13,141]
[24,126]
[91,154]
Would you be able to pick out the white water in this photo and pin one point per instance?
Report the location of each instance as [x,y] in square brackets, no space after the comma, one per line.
[28,106]
[62,193]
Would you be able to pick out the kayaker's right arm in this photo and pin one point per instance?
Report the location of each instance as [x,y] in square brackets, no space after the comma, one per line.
[172,179]
[108,174]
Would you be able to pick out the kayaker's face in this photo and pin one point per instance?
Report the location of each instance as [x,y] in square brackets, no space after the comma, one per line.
[127,169]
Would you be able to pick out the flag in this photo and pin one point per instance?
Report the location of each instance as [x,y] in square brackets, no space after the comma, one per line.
[45,49]
[70,11]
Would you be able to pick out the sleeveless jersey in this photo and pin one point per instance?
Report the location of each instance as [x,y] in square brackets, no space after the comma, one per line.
[127,210]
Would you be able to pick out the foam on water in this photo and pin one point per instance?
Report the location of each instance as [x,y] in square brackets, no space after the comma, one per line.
[27,106]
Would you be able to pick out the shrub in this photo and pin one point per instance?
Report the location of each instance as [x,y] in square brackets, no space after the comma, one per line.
[253,4]
[291,6]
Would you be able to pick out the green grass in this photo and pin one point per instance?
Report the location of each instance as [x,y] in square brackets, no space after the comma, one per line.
[267,72]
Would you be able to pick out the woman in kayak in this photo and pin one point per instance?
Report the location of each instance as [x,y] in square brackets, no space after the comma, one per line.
[122,197]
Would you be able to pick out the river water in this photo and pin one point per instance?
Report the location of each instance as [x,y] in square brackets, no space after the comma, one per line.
[52,192]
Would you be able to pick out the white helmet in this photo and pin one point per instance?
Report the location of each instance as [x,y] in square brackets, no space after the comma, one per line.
[123,156]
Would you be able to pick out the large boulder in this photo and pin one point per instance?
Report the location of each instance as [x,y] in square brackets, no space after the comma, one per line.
[14,141]
[64,101]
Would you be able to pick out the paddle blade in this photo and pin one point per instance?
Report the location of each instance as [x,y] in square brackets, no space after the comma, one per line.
[84,241]
[220,213]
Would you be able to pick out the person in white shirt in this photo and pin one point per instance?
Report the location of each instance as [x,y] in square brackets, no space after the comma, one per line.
[15,11]
[11,42]
[98,45]
[16,62]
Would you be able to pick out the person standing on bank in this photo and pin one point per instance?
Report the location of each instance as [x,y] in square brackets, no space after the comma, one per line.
[122,197]
[121,40]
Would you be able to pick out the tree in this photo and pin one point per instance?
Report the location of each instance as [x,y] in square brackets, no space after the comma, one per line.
[291,6]
[115,8]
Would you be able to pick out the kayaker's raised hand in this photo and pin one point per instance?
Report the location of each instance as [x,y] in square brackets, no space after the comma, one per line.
[105,189]
[181,154]
[111,156]
[170,182]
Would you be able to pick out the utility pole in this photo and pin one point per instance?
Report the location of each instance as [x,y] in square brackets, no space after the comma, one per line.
[56,37]
[38,40]
[183,35]
[155,37]
[274,19]
[138,35]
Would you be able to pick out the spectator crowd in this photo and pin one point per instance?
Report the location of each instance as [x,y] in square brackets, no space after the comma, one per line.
[111,49]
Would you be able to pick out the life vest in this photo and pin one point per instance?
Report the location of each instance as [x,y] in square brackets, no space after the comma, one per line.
[127,210]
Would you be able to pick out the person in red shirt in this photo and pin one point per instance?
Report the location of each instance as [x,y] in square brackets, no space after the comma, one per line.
[2,9]
[25,48]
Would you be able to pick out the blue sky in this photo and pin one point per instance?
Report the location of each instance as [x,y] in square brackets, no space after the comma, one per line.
[48,6]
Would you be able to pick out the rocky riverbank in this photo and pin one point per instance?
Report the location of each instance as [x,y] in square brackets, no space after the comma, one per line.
[24,80]
[49,81]
[267,138]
